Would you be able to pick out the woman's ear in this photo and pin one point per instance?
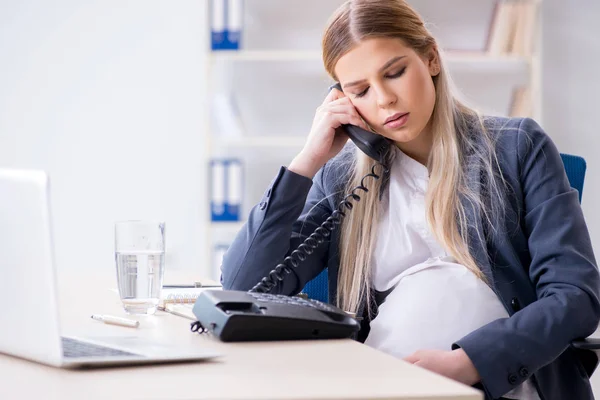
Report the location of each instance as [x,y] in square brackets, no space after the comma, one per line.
[434,61]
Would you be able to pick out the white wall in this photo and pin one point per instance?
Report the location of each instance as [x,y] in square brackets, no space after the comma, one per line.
[108,97]
[571,89]
[571,62]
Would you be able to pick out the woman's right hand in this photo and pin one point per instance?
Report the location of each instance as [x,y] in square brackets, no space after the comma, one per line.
[325,141]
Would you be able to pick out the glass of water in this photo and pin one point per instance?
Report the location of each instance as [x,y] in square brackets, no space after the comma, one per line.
[140,258]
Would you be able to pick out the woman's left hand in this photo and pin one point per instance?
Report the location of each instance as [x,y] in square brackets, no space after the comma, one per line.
[453,364]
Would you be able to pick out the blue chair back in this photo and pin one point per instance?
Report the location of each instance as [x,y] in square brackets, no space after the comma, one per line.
[318,288]
[575,167]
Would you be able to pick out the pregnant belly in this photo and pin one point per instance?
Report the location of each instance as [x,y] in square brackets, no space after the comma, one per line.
[433,305]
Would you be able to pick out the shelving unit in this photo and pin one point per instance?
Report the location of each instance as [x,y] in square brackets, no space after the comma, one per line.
[255,79]
[263,141]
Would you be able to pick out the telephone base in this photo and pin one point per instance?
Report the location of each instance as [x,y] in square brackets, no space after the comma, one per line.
[235,316]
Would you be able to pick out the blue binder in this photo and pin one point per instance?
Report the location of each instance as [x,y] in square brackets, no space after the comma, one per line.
[217,24]
[226,22]
[226,179]
[233,190]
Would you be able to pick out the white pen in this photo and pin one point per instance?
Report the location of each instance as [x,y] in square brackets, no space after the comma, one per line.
[109,319]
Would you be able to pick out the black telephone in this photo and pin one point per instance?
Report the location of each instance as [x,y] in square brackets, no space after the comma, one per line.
[372,144]
[257,315]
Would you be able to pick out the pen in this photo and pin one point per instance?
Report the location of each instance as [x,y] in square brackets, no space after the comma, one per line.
[180,286]
[161,308]
[190,286]
[109,319]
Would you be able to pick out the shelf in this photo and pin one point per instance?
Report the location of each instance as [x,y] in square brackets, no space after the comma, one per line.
[511,70]
[264,55]
[454,58]
[486,63]
[295,142]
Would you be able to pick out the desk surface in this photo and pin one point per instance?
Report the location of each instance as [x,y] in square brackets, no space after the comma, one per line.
[327,369]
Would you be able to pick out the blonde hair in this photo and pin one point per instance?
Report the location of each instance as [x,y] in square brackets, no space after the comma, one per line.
[455,151]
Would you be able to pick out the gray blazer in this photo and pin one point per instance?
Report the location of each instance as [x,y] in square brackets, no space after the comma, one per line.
[541,265]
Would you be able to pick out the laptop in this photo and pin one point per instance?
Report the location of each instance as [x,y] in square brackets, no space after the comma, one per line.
[30,327]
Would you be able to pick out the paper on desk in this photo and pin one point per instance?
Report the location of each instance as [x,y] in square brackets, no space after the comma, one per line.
[186,294]
[183,310]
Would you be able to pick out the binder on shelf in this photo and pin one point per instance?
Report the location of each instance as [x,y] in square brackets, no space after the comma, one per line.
[226,180]
[235,20]
[217,190]
[217,24]
[226,23]
[233,192]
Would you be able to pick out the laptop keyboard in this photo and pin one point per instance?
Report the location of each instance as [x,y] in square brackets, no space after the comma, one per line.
[77,348]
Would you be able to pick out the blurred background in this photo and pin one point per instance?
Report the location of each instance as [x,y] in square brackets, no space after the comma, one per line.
[155,109]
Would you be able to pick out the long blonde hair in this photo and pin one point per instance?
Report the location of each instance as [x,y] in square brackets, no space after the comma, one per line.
[455,151]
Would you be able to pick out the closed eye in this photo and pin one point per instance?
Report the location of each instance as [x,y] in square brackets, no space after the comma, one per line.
[361,94]
[392,76]
[397,74]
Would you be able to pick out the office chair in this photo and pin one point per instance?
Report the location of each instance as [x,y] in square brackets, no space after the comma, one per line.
[575,168]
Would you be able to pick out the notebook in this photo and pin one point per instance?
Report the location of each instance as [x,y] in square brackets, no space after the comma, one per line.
[180,302]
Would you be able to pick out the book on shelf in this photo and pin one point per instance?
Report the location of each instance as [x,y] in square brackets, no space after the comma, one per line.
[513,33]
[502,28]
[513,28]
[525,29]
[522,102]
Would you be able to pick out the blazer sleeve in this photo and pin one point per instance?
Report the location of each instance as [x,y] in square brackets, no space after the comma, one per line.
[290,211]
[563,270]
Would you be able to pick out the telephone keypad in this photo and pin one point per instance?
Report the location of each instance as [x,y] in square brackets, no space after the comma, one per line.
[283,299]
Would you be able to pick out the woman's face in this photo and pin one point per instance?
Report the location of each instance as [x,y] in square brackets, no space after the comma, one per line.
[391,87]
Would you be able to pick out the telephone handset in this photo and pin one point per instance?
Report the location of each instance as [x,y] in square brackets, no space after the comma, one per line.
[258,315]
[372,144]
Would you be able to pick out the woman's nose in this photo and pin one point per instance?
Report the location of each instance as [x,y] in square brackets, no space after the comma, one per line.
[385,97]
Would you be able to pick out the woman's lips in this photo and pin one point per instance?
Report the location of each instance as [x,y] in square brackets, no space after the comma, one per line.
[398,121]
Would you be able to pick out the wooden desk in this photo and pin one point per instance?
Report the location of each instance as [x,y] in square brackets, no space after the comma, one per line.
[328,369]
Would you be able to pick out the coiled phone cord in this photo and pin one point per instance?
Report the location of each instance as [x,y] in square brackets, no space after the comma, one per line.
[310,243]
[317,237]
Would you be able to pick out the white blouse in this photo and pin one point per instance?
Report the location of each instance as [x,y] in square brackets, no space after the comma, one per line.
[435,301]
